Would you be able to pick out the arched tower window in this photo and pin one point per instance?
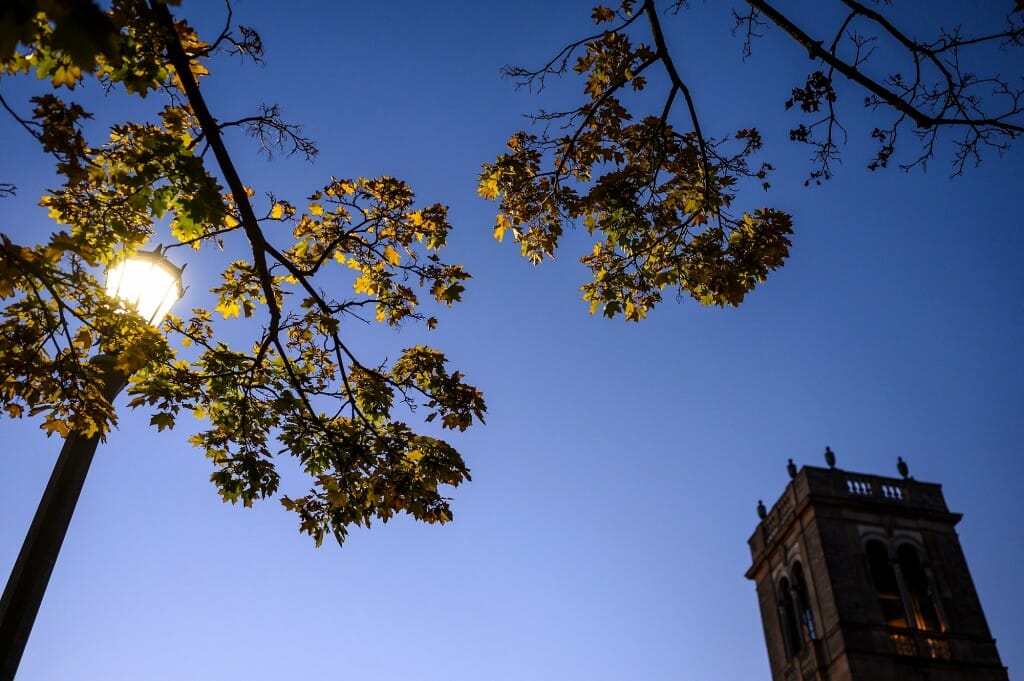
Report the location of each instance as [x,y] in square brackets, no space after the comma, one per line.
[887,589]
[919,590]
[790,627]
[803,602]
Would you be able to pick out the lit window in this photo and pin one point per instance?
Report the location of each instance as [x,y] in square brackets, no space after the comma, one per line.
[921,595]
[887,588]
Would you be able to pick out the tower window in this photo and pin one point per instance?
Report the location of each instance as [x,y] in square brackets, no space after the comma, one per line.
[790,627]
[919,590]
[887,588]
[803,602]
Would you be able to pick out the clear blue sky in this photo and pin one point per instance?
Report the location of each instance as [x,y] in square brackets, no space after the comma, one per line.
[604,534]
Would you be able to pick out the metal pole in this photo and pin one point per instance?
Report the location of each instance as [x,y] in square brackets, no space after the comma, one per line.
[27,583]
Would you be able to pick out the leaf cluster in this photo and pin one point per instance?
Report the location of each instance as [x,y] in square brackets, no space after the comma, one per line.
[295,388]
[658,195]
[658,200]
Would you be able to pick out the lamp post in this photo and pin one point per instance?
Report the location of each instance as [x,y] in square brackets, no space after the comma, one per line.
[149,284]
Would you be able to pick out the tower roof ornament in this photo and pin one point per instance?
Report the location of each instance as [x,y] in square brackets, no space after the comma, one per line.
[902,467]
[791,468]
[830,457]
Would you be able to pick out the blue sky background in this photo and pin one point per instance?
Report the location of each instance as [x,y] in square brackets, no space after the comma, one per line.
[604,534]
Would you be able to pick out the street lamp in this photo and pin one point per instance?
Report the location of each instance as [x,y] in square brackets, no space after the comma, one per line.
[148,284]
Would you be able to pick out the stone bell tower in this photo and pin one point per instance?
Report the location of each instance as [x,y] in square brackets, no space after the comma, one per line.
[862,578]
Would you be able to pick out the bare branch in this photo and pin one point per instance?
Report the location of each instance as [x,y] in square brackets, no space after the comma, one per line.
[274,135]
[939,94]
[751,24]
[248,45]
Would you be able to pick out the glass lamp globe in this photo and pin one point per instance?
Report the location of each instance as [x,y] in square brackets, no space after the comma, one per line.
[146,282]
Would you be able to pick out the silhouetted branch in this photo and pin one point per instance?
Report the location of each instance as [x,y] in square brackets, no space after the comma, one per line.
[32,127]
[939,94]
[752,25]
[274,135]
[249,45]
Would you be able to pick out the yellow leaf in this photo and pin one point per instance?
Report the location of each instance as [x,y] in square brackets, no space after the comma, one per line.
[84,337]
[277,211]
[54,425]
[363,284]
[67,76]
[488,188]
[91,429]
[316,209]
[391,255]
[602,14]
[501,224]
[228,308]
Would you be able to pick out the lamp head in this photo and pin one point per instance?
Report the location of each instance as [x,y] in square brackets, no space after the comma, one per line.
[148,283]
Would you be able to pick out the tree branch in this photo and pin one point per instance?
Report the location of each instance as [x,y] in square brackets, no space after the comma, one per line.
[816,50]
